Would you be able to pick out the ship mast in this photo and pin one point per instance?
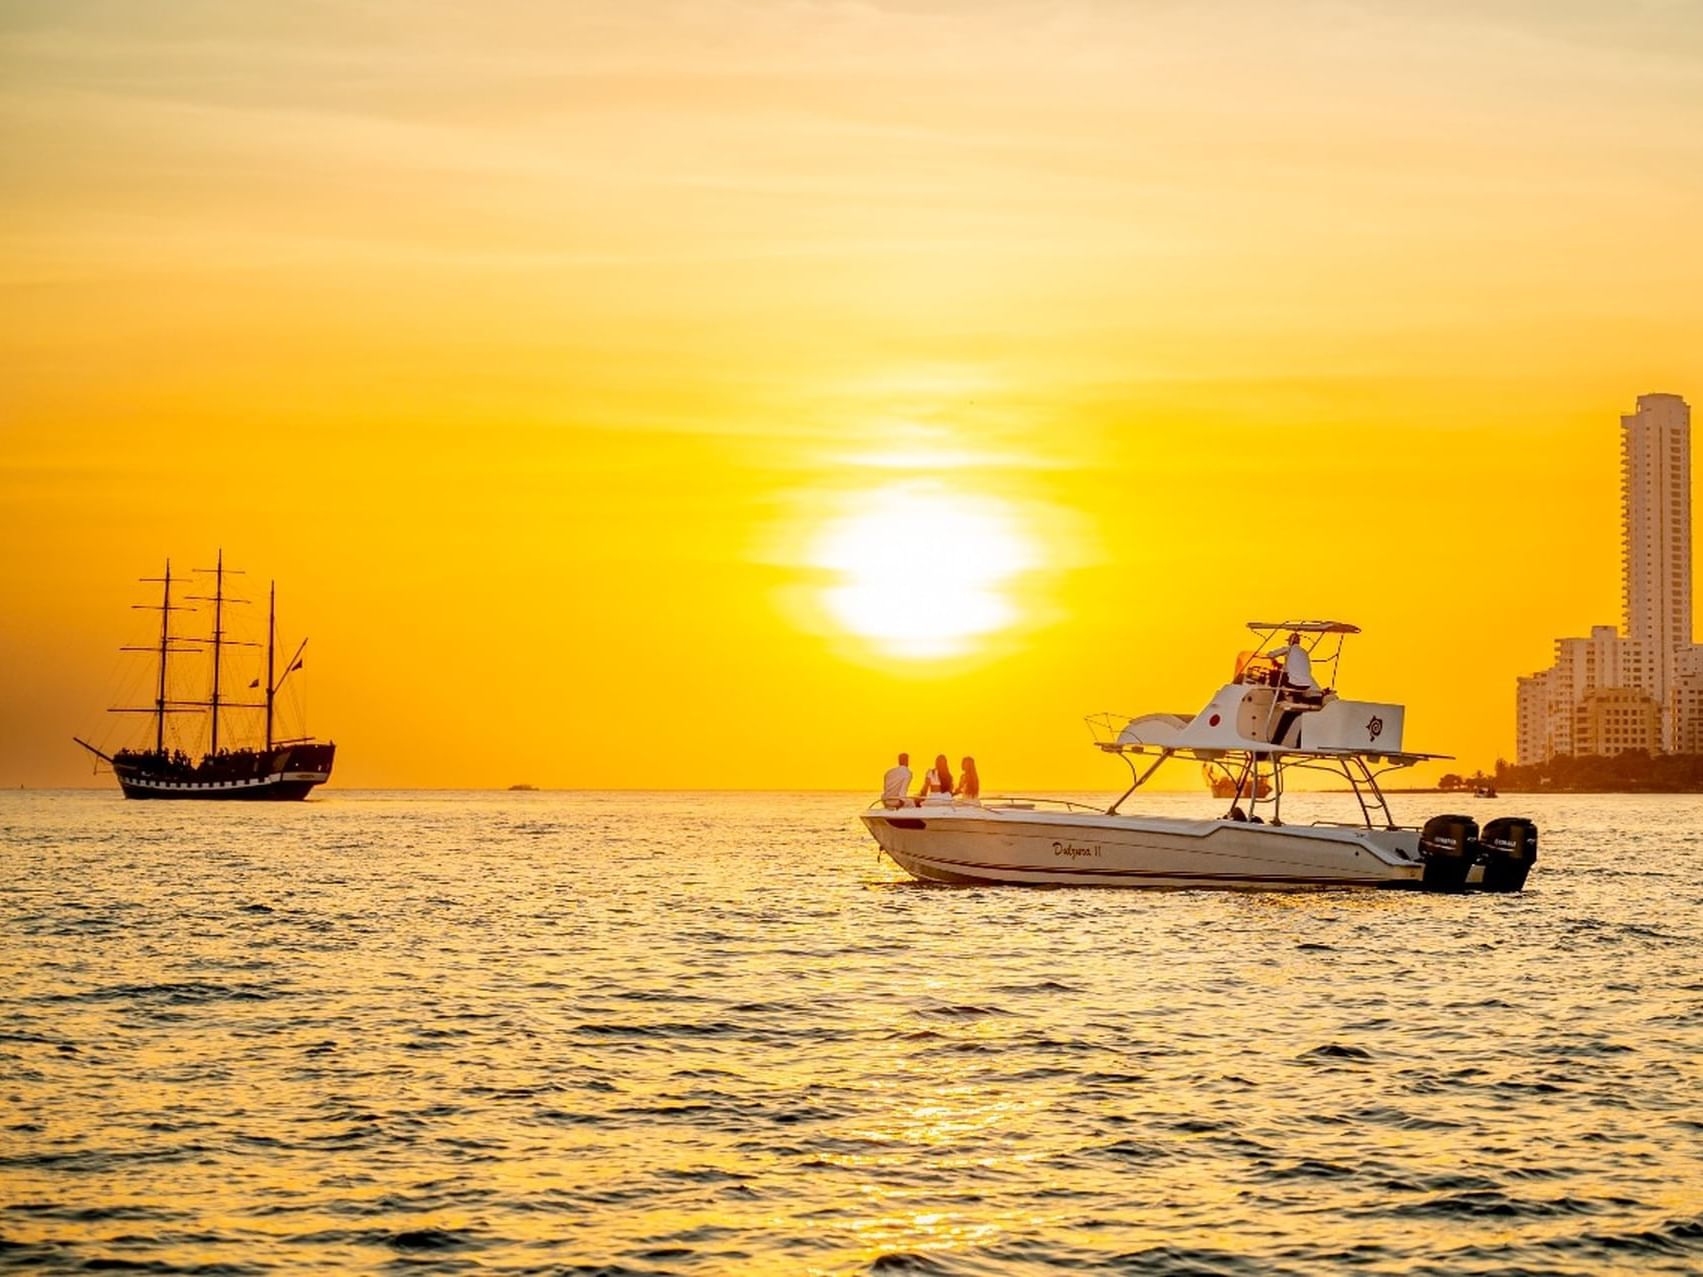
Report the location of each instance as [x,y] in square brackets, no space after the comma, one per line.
[218,599]
[165,646]
[271,640]
[290,667]
[218,635]
[162,650]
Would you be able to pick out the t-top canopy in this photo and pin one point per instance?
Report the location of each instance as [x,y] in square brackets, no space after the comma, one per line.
[1304,627]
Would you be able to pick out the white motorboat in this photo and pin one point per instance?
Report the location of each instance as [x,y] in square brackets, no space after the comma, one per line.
[1277,716]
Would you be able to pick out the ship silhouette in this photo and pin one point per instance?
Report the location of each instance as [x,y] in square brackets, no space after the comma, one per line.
[1225,785]
[269,769]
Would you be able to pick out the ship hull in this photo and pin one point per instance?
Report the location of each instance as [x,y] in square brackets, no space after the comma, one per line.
[282,788]
[284,774]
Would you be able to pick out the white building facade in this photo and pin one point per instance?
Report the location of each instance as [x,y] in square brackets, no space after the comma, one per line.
[1607,677]
[1655,511]
[1688,701]
[1535,742]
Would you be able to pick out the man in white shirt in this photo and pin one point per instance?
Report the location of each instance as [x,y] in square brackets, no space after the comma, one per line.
[1298,679]
[1297,665]
[896,783]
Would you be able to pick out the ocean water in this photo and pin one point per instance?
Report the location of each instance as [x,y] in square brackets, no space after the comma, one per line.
[641,1034]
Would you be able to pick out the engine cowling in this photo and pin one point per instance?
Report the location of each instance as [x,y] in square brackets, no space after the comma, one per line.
[1448,845]
[1509,847]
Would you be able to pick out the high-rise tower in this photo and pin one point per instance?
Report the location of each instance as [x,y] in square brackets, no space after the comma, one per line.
[1655,506]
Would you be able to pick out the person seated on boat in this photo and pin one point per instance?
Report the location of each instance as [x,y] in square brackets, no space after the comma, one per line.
[937,779]
[969,783]
[896,782]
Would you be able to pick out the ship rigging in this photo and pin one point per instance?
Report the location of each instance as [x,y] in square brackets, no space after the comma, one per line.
[276,769]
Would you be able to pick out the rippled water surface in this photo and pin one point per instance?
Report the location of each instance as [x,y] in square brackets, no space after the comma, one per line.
[711,1034]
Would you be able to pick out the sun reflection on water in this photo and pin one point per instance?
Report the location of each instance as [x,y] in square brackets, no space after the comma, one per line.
[700,1034]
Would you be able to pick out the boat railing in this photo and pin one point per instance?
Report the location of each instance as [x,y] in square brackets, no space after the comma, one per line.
[1360,824]
[1106,729]
[995,802]
[1022,801]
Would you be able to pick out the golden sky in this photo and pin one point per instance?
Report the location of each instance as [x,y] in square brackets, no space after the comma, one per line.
[728,394]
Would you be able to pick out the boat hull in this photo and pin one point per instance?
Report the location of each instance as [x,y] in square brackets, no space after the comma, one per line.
[1018,846]
[284,774]
[289,787]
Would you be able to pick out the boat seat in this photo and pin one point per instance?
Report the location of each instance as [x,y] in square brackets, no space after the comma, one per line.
[1290,704]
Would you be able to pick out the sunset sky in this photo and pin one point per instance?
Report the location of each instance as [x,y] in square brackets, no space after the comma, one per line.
[728,394]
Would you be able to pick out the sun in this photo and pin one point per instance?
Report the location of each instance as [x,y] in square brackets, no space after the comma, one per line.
[922,571]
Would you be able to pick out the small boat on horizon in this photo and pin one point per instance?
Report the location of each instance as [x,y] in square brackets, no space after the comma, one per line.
[272,769]
[1271,720]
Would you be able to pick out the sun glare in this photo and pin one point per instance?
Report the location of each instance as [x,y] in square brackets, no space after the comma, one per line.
[923,571]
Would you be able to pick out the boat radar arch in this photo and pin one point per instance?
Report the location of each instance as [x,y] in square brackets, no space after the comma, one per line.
[1261,725]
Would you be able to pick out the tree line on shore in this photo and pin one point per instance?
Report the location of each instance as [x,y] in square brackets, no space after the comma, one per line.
[1635,771]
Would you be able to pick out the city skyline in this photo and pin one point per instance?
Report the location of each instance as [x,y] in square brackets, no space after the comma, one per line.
[1641,687]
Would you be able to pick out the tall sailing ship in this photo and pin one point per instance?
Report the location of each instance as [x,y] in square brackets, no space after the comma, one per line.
[272,769]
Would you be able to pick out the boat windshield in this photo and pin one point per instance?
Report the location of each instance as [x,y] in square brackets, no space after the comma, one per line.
[1259,668]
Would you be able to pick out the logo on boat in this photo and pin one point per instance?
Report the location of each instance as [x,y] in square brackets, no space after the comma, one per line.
[1073,851]
[1375,728]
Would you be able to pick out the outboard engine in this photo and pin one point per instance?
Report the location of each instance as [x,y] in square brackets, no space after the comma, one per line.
[1448,845]
[1509,844]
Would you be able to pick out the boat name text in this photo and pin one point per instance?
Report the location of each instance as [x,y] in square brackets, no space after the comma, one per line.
[1073,851]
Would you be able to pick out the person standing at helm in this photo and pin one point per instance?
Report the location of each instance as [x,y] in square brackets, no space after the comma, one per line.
[1297,665]
[1303,691]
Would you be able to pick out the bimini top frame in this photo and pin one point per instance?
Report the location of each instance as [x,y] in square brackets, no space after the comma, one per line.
[1303,627]
[1322,641]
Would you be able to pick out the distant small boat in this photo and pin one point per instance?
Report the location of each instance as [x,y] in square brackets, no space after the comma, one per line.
[523,789]
[1485,791]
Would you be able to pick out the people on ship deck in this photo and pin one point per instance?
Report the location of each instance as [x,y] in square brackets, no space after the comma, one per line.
[969,783]
[896,783]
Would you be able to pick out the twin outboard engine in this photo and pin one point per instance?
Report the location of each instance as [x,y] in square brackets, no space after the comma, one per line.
[1451,845]
[1448,845]
[1509,846]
